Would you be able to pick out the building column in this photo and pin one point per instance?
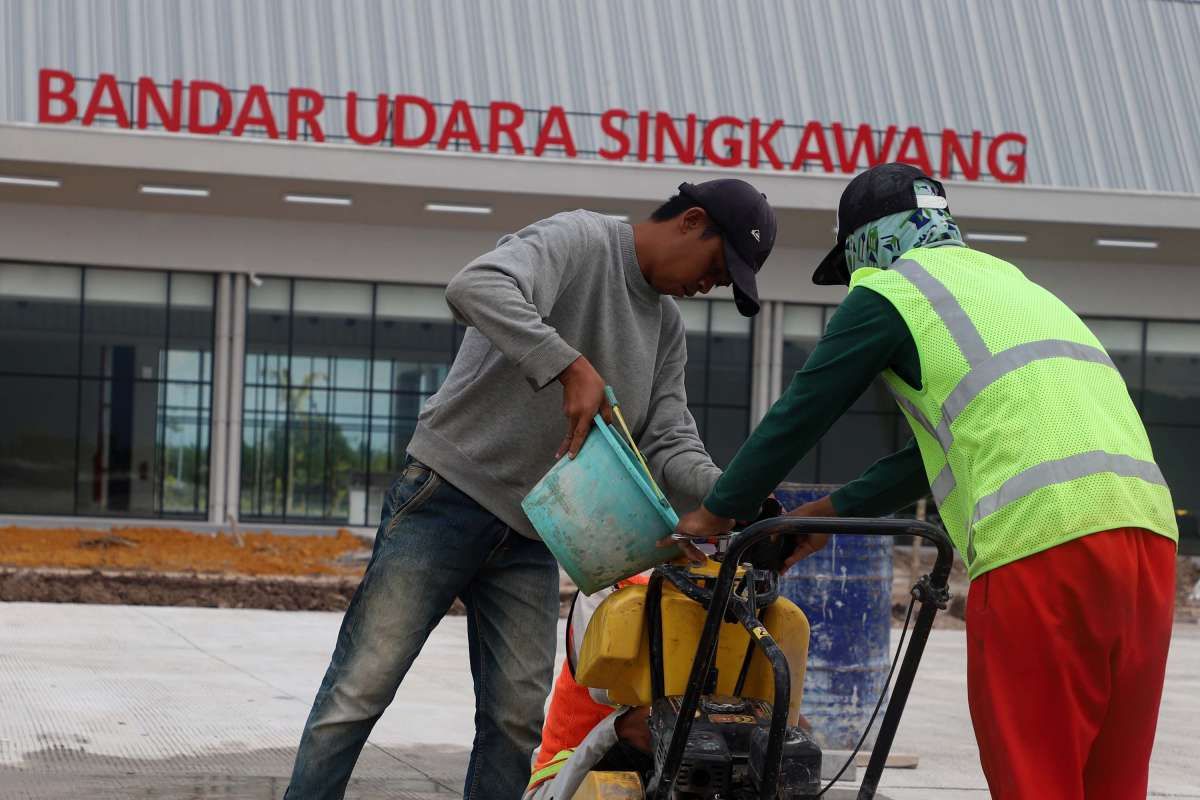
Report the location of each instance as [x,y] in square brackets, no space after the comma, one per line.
[218,423]
[776,361]
[234,400]
[768,353]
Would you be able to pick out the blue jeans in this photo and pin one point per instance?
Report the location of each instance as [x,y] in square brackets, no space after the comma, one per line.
[434,544]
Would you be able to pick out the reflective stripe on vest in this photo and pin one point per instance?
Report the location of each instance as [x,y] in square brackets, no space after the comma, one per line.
[1061,470]
[984,369]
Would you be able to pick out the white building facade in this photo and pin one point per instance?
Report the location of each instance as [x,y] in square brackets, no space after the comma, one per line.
[224,227]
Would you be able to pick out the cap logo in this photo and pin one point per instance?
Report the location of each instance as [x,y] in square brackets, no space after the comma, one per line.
[754,233]
[932,201]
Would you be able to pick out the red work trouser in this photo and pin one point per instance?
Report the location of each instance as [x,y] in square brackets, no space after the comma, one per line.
[1066,651]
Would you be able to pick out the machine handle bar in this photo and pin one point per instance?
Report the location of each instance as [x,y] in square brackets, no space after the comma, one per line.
[931,592]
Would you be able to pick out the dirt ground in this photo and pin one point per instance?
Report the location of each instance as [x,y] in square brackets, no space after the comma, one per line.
[170,566]
[141,588]
[175,550]
[174,567]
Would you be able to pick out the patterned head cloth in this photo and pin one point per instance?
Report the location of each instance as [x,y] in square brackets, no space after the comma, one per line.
[880,242]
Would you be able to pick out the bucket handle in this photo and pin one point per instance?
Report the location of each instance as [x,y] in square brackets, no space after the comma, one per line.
[611,397]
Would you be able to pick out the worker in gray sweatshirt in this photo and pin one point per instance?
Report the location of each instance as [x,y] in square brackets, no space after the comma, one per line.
[555,312]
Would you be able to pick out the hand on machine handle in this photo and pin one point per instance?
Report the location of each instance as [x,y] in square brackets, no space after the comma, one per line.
[811,543]
[583,398]
[775,553]
[700,524]
[703,524]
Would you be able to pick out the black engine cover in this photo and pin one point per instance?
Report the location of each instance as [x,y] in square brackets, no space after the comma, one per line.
[726,750]
[800,767]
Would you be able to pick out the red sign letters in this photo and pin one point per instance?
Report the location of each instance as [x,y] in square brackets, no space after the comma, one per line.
[410,121]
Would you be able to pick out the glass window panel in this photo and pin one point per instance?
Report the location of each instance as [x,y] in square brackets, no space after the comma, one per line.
[266,368]
[325,456]
[405,407]
[125,287]
[729,357]
[118,446]
[39,319]
[412,358]
[802,328]
[185,461]
[381,374]
[1122,338]
[39,282]
[305,442]
[190,290]
[725,432]
[727,319]
[729,364]
[385,463]
[264,449]
[1172,391]
[350,404]
[803,322]
[855,442]
[351,373]
[1175,448]
[267,347]
[332,320]
[1124,335]
[412,302]
[132,426]
[695,315]
[185,365]
[273,295]
[1178,338]
[124,323]
[37,444]
[415,341]
[184,395]
[717,376]
[335,298]
[190,329]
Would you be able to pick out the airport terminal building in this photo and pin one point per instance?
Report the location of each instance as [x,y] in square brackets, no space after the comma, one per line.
[225,228]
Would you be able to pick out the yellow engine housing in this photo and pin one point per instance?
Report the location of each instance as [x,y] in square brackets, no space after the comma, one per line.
[615,655]
[610,786]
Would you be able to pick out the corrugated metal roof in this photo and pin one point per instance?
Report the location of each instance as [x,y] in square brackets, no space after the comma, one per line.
[1105,90]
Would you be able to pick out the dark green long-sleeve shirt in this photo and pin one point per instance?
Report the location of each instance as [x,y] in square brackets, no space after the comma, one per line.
[865,336]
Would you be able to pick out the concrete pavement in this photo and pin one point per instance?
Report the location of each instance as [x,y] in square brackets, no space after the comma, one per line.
[134,701]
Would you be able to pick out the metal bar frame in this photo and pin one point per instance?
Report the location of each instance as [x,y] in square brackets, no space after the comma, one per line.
[931,592]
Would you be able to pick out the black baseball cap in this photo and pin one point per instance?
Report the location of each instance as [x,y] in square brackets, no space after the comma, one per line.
[747,224]
[878,192]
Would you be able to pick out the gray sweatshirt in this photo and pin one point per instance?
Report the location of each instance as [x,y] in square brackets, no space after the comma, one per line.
[564,286]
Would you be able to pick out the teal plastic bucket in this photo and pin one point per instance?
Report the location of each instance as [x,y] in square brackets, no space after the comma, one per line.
[598,514]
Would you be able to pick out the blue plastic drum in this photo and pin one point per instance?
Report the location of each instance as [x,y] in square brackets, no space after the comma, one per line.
[846,592]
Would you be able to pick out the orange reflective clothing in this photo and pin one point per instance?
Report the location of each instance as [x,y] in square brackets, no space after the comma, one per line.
[571,716]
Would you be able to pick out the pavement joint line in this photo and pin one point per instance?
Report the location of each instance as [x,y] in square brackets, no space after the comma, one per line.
[412,766]
[284,692]
[213,656]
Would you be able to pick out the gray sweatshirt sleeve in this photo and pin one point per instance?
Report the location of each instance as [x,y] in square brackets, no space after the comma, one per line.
[507,293]
[670,441]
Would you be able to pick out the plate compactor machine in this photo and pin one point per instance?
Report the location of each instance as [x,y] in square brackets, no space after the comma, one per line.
[719,658]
